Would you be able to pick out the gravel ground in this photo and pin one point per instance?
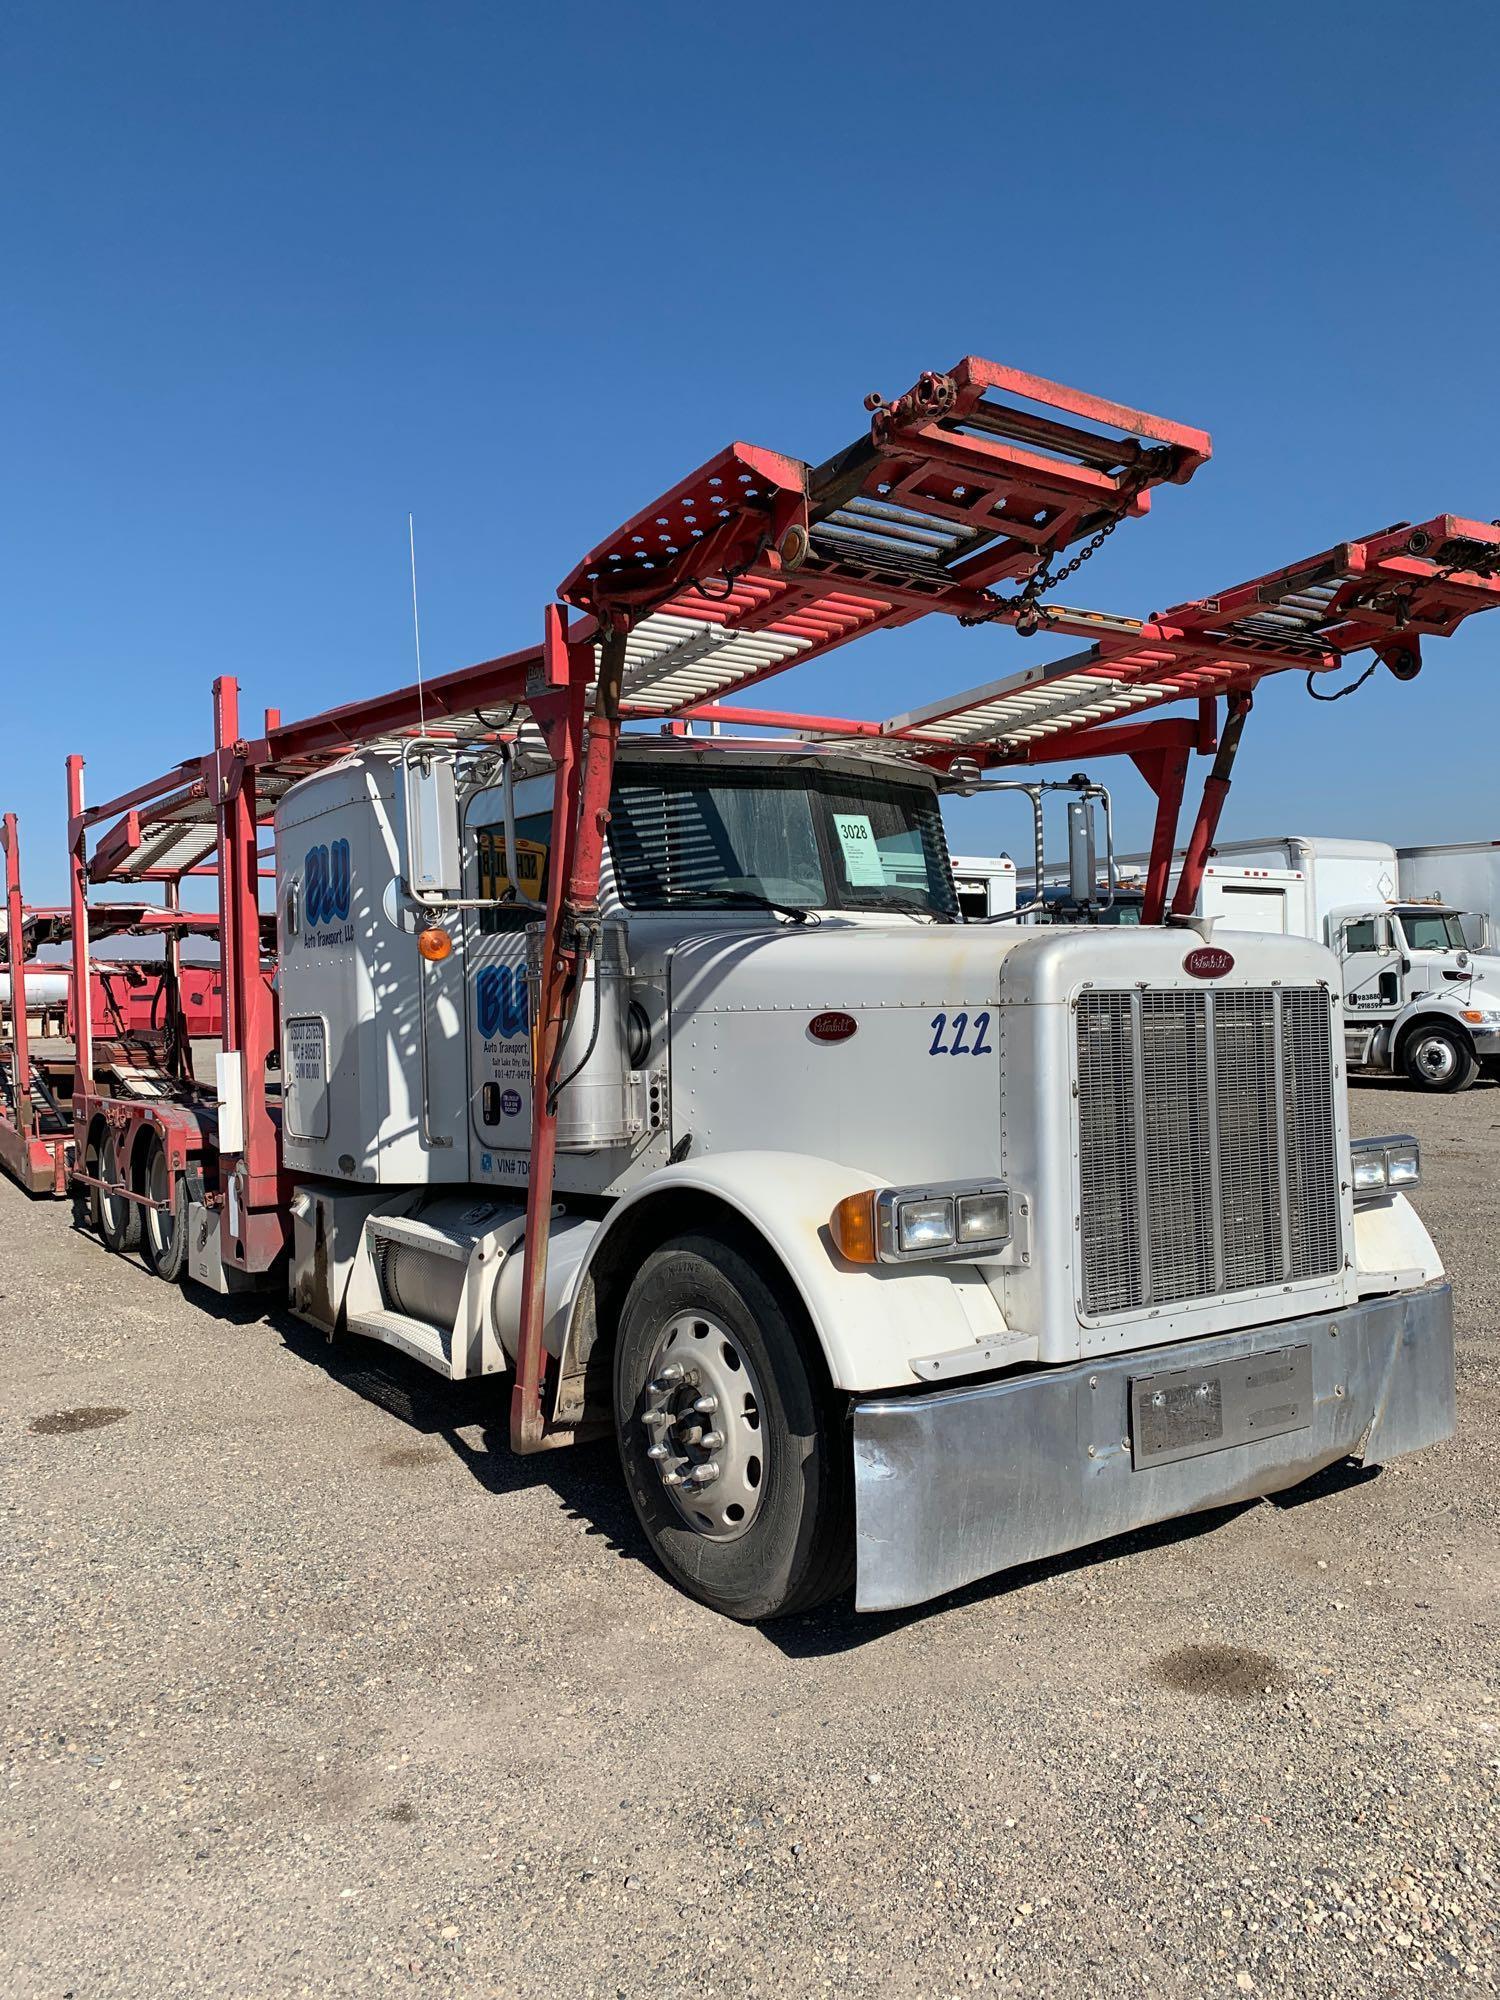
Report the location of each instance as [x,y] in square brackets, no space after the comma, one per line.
[311,1688]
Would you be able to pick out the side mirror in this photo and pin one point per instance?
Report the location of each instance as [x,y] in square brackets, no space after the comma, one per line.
[1082,858]
[433,861]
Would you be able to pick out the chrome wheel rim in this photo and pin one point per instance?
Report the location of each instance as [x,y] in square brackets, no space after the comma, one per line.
[109,1170]
[701,1414]
[160,1222]
[1435,1059]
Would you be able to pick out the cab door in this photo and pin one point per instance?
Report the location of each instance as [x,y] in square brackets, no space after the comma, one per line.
[1372,968]
[499,999]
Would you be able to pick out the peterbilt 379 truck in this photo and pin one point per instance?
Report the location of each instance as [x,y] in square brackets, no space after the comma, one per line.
[664,1076]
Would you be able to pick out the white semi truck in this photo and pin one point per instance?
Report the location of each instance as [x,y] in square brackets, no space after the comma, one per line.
[664,1076]
[1419,1000]
[1421,993]
[987,1239]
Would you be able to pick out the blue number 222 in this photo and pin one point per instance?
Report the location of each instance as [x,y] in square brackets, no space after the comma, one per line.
[958,1046]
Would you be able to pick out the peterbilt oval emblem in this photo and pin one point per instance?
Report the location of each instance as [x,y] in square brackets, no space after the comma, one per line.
[832,1027]
[1208,962]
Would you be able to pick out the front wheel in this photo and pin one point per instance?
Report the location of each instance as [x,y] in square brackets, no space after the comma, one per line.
[1438,1059]
[736,1457]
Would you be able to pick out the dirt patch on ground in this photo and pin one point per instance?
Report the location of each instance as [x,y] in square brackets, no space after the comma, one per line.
[1234,1672]
[63,1423]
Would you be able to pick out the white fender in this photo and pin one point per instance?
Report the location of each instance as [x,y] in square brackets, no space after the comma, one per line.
[1434,1007]
[871,1321]
[1392,1250]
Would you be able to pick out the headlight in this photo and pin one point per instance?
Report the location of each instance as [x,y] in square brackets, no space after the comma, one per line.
[901,1225]
[1480,1017]
[1385,1166]
[923,1225]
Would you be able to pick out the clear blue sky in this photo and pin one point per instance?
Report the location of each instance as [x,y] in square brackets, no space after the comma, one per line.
[276,275]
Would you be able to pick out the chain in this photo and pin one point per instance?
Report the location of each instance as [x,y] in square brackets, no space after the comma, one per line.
[1050,579]
[1027,612]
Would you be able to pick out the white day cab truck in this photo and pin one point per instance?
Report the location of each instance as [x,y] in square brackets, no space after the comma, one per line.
[1411,930]
[1420,1001]
[892,1245]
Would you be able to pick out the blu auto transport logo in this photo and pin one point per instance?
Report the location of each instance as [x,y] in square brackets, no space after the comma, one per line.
[326,886]
[500,1002]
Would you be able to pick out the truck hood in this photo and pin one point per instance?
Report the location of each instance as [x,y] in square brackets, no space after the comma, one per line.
[1478,981]
[848,967]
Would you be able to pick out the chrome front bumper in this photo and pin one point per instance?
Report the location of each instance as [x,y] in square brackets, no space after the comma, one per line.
[959,1484]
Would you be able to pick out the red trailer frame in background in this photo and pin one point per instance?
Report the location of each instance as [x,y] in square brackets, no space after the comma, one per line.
[126,1006]
[39,1161]
[755,564]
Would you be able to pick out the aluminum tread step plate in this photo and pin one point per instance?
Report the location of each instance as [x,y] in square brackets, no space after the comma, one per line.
[415,1235]
[415,1337]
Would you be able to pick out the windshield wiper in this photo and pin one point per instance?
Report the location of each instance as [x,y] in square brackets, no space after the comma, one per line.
[742,899]
[909,906]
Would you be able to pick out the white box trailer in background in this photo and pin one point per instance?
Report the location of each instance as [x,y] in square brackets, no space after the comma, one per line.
[1336,873]
[1465,876]
[986,885]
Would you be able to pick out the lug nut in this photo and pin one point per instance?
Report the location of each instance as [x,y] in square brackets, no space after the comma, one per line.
[705,1475]
[654,1419]
[706,1405]
[672,1478]
[657,1451]
[669,1377]
[711,1440]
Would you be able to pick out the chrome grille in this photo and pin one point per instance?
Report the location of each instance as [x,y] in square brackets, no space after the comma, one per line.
[1207,1154]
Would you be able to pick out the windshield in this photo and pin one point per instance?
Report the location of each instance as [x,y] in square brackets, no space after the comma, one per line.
[1433,930]
[803,839]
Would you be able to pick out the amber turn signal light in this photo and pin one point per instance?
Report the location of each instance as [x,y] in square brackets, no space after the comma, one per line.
[852,1226]
[434,943]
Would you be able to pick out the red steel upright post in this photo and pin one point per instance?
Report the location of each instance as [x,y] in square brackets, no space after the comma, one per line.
[79,982]
[247,1011]
[1165,771]
[580,805]
[1215,791]
[20,1051]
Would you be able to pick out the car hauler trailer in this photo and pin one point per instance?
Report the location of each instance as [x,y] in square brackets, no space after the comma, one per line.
[662,1076]
[134,1004]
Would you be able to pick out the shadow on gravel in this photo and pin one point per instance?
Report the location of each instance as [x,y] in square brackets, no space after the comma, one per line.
[839,1628]
[586,1478]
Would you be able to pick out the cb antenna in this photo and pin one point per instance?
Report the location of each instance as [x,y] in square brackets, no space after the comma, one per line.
[416,624]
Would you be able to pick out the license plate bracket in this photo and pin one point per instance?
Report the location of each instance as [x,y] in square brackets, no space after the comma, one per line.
[1185,1412]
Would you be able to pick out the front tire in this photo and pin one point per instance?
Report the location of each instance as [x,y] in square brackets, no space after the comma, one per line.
[1439,1060]
[734,1451]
